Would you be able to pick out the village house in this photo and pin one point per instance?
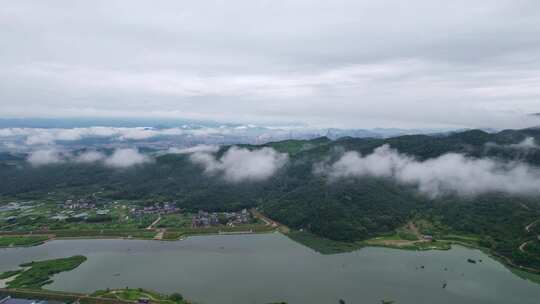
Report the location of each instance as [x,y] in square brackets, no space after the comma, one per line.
[427,237]
[157,208]
[79,204]
[205,219]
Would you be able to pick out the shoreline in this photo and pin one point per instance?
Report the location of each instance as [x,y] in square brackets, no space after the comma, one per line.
[532,275]
[326,246]
[67,238]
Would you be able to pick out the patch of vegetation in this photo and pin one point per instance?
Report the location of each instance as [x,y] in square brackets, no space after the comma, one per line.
[128,294]
[174,221]
[406,234]
[9,274]
[173,235]
[533,277]
[38,273]
[434,245]
[322,245]
[8,241]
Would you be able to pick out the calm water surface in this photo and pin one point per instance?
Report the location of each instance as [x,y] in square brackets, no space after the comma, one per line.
[245,269]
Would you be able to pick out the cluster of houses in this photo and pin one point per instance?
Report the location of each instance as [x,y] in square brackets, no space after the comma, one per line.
[157,208]
[234,218]
[80,208]
[206,219]
[79,204]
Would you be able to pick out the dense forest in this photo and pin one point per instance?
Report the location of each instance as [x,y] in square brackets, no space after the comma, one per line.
[348,210]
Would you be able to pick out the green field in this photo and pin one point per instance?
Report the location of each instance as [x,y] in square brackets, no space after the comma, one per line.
[38,273]
[41,216]
[9,241]
[35,217]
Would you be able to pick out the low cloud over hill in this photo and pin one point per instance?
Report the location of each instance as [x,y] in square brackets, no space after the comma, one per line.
[238,164]
[450,173]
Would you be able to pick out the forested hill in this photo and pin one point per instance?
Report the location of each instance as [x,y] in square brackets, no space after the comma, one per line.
[301,195]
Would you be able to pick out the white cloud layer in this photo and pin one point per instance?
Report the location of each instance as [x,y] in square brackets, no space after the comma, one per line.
[527,143]
[239,164]
[194,149]
[90,157]
[448,174]
[123,158]
[120,158]
[42,136]
[47,136]
[45,157]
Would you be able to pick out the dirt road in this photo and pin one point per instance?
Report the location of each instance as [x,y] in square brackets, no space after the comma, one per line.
[528,229]
[154,223]
[269,221]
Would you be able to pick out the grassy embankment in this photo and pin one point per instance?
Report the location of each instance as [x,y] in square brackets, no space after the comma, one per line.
[176,234]
[135,294]
[89,233]
[109,296]
[105,233]
[66,297]
[123,296]
[14,241]
[11,239]
[322,245]
[38,273]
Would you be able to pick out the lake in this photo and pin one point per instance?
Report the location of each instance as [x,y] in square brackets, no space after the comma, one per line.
[262,268]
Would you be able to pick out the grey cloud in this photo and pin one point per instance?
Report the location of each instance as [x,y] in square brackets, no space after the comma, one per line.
[238,164]
[341,63]
[448,174]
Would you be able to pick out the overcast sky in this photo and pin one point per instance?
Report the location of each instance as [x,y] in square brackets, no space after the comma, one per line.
[422,63]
